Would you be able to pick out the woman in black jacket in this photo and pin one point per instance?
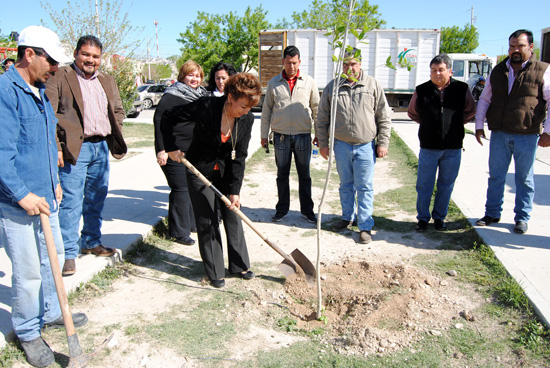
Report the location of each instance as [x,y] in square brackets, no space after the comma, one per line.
[219,148]
[181,220]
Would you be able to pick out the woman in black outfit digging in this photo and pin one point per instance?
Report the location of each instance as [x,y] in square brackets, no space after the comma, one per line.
[219,148]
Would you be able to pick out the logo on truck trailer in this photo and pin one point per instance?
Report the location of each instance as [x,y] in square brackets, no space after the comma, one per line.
[407,56]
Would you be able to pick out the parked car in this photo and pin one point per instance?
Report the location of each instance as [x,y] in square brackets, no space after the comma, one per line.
[136,108]
[150,94]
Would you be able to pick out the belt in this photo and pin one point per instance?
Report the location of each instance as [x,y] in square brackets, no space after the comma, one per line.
[94,139]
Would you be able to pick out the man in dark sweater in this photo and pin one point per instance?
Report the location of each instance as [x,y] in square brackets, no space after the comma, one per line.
[515,103]
[441,106]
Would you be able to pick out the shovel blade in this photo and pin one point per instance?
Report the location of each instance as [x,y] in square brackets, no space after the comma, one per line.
[289,268]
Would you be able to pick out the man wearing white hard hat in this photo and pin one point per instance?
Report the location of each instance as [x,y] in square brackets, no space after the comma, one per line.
[29,186]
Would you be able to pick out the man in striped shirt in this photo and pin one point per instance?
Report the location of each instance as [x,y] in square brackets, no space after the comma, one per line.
[88,105]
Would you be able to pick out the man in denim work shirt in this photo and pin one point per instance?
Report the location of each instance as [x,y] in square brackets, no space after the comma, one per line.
[29,186]
[290,108]
[362,132]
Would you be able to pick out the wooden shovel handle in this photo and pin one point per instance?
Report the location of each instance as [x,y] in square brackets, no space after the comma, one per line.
[239,213]
[57,277]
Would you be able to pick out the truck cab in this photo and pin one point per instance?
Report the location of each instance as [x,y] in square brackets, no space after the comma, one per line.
[470,67]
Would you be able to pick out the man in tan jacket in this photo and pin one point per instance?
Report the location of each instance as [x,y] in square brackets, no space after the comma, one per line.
[88,106]
[362,133]
[290,109]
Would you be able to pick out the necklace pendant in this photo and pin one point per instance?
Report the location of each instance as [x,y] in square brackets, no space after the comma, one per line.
[233,154]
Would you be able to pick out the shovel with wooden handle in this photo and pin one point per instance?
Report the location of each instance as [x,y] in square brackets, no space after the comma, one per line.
[77,358]
[296,260]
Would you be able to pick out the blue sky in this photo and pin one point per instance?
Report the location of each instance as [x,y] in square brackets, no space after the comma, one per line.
[494,22]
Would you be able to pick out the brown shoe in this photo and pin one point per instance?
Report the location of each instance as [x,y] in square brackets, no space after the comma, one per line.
[365,237]
[100,251]
[69,268]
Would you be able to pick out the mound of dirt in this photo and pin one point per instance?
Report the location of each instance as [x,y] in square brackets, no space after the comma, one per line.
[374,307]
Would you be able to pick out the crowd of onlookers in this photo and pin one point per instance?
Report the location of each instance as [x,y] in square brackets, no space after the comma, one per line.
[61,123]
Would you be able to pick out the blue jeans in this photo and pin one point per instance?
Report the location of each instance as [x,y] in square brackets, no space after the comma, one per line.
[300,145]
[85,186]
[33,296]
[523,147]
[429,161]
[355,165]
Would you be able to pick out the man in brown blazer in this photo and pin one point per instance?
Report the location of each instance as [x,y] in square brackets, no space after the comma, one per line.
[88,105]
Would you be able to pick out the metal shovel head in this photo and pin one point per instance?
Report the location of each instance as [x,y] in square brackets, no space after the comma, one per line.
[289,269]
[83,359]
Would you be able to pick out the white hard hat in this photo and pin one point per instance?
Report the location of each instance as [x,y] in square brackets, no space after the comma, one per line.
[46,39]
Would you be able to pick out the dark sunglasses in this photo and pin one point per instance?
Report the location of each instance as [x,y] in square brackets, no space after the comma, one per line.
[49,59]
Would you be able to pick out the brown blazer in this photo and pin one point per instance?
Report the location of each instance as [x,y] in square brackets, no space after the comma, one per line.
[65,95]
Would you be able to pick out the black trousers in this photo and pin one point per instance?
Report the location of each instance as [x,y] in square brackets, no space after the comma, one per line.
[205,205]
[180,212]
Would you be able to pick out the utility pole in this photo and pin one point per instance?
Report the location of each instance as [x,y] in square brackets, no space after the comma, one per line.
[148,59]
[97,20]
[157,33]
[472,18]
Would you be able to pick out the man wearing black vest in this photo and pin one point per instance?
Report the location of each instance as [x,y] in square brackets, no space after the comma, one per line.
[514,102]
[441,106]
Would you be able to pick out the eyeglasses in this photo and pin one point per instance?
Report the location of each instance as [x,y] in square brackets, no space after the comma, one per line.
[49,59]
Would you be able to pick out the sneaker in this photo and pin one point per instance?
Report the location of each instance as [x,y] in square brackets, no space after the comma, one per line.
[38,352]
[278,217]
[340,225]
[365,237]
[310,218]
[521,227]
[487,220]
[440,225]
[421,226]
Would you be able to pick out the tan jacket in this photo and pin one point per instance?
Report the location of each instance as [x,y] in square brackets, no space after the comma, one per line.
[65,95]
[362,113]
[286,113]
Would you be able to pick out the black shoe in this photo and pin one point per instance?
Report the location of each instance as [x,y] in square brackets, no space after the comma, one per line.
[38,353]
[440,225]
[421,226]
[193,229]
[185,240]
[248,275]
[487,220]
[521,227]
[310,218]
[217,283]
[278,217]
[79,320]
[340,225]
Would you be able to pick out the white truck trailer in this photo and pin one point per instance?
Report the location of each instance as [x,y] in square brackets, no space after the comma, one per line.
[417,46]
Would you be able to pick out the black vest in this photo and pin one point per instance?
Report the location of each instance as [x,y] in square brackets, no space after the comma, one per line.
[441,125]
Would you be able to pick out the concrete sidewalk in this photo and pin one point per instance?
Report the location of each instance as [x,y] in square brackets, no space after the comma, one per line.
[526,257]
